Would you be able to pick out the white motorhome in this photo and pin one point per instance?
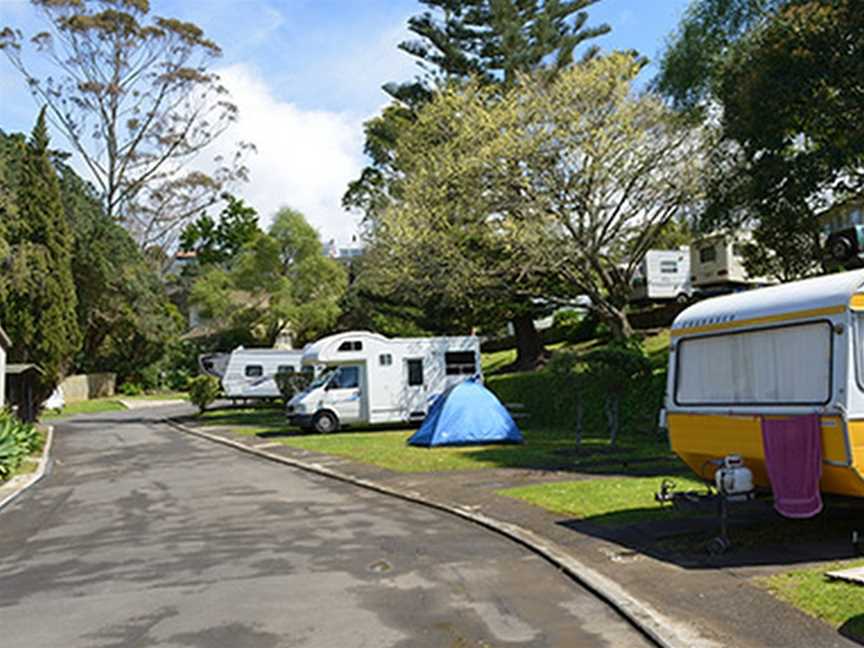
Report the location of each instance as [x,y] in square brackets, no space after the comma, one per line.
[372,379]
[251,373]
[663,275]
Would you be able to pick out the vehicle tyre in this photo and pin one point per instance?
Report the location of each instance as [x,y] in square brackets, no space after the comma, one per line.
[325,423]
[682,298]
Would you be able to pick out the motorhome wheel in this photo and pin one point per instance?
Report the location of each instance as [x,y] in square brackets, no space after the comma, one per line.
[325,422]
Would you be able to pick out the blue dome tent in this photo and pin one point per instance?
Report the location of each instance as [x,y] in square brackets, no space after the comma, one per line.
[467,413]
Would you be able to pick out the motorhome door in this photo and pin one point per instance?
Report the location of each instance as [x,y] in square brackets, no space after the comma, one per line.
[345,393]
[415,388]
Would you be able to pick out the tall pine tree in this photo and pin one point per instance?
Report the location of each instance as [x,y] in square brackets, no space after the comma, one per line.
[493,41]
[38,311]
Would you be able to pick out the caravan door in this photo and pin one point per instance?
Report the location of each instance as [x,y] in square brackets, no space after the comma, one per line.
[415,388]
[344,394]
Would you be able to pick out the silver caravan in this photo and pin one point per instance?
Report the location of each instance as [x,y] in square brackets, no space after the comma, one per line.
[251,373]
[663,275]
[371,379]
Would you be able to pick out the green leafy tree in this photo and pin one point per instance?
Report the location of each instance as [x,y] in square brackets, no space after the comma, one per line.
[216,243]
[787,78]
[549,190]
[280,282]
[133,94]
[39,307]
[492,42]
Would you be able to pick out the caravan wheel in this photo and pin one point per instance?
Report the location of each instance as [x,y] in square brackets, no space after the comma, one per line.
[325,423]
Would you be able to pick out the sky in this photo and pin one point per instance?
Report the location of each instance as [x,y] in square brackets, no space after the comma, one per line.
[306,75]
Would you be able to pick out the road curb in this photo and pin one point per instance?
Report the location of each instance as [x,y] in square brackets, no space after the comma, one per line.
[36,475]
[660,629]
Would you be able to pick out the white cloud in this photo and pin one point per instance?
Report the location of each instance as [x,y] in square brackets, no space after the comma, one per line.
[305,158]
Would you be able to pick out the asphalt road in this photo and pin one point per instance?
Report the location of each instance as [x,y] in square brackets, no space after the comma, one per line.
[143,536]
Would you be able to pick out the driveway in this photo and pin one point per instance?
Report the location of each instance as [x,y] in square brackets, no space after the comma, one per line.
[143,536]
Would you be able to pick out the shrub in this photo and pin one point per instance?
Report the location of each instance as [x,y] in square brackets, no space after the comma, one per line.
[614,370]
[17,441]
[290,383]
[130,389]
[203,390]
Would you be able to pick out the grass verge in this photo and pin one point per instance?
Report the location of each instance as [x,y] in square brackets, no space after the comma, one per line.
[613,501]
[835,602]
[95,406]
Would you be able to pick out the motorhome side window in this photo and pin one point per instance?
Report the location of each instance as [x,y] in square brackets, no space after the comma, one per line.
[351,345]
[346,378]
[669,267]
[759,367]
[253,371]
[707,254]
[415,372]
[285,369]
[459,363]
[385,359]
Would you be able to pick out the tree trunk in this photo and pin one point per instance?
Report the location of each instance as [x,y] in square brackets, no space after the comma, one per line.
[619,324]
[529,344]
[613,411]
[580,411]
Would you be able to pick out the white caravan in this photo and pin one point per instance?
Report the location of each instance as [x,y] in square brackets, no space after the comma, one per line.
[717,265]
[372,379]
[663,275]
[250,373]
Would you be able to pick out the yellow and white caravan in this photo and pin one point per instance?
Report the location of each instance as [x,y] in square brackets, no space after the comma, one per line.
[786,350]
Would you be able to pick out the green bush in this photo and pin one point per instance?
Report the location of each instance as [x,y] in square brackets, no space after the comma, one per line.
[130,389]
[203,390]
[552,402]
[18,440]
[290,383]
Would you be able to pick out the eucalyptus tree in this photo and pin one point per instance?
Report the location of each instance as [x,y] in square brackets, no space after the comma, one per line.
[134,96]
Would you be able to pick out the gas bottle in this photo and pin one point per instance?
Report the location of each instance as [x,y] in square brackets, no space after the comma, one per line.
[734,479]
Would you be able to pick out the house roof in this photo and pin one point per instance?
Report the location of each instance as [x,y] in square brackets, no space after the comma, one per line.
[4,339]
[18,369]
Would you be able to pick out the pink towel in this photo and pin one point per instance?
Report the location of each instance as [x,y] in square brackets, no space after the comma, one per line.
[793,458]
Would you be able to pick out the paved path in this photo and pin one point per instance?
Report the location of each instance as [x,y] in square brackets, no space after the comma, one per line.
[143,536]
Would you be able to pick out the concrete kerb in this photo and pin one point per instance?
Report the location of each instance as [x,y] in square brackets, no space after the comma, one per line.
[660,629]
[31,479]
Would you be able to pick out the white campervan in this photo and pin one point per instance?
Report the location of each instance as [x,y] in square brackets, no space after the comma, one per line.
[663,275]
[372,379]
[251,373]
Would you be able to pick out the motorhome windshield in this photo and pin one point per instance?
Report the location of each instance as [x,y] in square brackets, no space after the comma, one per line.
[323,379]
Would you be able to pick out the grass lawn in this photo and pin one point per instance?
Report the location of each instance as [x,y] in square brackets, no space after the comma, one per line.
[543,448]
[612,501]
[835,602]
[156,396]
[95,406]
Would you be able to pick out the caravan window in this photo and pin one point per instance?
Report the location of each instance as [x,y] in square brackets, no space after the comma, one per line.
[351,345]
[669,267]
[784,365]
[708,254]
[415,372]
[253,371]
[385,359]
[460,363]
[285,369]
